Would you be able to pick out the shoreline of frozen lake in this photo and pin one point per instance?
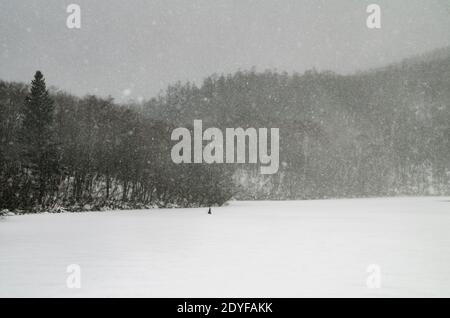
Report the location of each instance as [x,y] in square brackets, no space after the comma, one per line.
[246,249]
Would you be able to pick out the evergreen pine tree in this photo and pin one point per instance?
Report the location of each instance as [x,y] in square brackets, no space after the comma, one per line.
[39,146]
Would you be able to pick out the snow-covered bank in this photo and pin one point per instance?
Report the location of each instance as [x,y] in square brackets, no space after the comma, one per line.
[247,249]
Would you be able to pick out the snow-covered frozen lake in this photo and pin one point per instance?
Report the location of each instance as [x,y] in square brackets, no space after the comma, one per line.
[247,249]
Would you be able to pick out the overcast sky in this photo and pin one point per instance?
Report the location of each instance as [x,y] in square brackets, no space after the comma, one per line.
[135,48]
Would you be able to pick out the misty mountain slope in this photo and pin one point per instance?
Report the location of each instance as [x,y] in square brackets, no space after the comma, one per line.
[379,132]
[438,54]
[372,102]
[251,97]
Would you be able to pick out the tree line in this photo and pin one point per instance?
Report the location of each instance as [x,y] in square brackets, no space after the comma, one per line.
[60,152]
[382,132]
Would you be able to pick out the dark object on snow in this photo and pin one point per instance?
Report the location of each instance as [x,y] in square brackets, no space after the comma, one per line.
[209,211]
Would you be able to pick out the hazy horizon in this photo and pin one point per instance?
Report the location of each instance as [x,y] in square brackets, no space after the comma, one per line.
[132,50]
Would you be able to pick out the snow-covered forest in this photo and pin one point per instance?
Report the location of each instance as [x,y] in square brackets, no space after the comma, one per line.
[382,132]
[59,152]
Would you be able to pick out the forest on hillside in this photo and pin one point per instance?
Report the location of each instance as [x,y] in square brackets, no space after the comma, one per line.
[382,132]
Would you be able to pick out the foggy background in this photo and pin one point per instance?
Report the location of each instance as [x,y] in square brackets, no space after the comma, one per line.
[133,49]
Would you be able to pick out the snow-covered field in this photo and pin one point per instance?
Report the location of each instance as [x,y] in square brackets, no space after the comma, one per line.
[247,249]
